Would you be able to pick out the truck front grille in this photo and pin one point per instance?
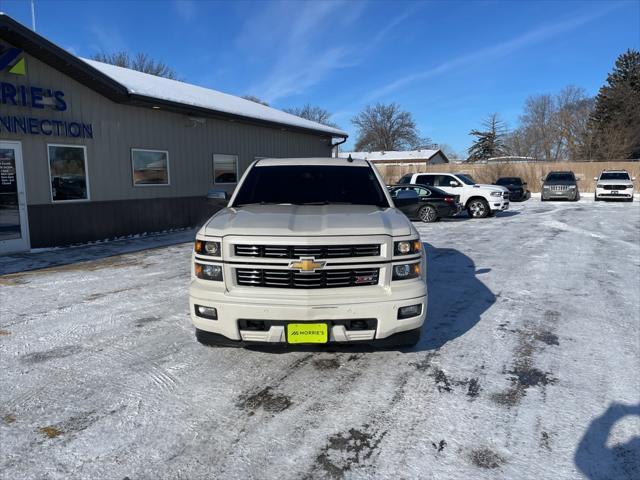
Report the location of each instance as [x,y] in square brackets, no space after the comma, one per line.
[615,187]
[559,188]
[315,251]
[258,277]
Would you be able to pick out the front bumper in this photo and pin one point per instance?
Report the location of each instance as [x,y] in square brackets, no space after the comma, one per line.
[619,194]
[277,311]
[560,194]
[499,204]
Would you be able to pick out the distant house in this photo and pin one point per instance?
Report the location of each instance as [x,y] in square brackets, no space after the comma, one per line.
[428,157]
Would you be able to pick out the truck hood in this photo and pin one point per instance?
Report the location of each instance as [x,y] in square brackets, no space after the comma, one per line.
[308,220]
[493,188]
[615,182]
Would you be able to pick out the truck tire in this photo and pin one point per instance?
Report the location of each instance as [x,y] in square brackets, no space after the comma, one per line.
[478,208]
[428,214]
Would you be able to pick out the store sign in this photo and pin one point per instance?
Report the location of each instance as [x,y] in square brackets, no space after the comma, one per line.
[33,97]
[47,99]
[11,61]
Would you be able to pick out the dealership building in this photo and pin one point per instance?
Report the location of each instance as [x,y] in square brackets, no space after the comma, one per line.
[91,151]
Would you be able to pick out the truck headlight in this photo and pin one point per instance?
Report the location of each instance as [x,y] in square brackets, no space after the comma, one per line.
[599,185]
[406,271]
[208,272]
[407,247]
[496,194]
[207,248]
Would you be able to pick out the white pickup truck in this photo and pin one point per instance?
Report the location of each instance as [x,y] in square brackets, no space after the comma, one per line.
[308,251]
[480,200]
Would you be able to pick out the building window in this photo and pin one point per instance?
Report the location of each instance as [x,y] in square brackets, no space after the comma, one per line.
[225,168]
[68,173]
[150,167]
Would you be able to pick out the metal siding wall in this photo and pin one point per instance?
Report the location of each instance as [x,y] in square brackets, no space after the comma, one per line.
[118,128]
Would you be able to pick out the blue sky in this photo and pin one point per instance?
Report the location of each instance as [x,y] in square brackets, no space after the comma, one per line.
[449,63]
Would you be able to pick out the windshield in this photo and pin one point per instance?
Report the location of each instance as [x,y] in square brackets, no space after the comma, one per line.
[614,176]
[560,177]
[311,185]
[509,181]
[466,179]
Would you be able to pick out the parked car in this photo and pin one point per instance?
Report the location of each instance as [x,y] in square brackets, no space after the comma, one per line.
[517,188]
[480,200]
[429,204]
[308,251]
[614,185]
[560,185]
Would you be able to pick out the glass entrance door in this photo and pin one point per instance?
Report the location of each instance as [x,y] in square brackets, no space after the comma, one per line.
[14,233]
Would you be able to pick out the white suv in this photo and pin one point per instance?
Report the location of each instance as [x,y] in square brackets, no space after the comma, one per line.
[479,200]
[614,184]
[308,251]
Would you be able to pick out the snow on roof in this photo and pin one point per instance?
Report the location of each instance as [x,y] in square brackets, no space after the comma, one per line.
[180,92]
[394,155]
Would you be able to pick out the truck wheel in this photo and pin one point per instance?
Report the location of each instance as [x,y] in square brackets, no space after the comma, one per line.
[478,208]
[427,214]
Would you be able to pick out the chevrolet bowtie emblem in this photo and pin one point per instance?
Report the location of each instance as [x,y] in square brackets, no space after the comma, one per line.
[307,264]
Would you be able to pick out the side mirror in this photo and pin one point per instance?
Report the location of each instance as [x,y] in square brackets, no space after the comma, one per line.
[217,197]
[595,179]
[633,179]
[524,183]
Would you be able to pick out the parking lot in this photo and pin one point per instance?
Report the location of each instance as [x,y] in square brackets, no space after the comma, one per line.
[527,368]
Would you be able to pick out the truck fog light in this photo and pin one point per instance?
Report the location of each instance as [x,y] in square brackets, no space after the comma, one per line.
[410,311]
[208,272]
[406,271]
[209,313]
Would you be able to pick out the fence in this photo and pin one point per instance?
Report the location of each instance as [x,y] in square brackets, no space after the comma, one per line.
[529,172]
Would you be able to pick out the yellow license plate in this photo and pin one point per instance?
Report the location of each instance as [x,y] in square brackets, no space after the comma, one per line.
[307,333]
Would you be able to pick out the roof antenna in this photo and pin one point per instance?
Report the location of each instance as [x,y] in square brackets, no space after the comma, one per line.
[349,159]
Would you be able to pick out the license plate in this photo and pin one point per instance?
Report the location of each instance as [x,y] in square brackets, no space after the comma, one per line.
[307,333]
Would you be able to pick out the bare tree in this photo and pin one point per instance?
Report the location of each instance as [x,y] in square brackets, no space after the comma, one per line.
[489,141]
[255,99]
[313,113]
[387,128]
[141,62]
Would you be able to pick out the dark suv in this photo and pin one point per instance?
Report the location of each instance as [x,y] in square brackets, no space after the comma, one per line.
[560,185]
[517,188]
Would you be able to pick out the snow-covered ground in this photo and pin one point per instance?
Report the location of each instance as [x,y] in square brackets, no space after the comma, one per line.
[528,367]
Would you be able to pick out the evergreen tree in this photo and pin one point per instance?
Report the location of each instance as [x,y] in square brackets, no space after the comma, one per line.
[489,142]
[614,126]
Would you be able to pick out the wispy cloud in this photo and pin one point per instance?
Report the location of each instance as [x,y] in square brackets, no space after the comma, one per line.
[308,51]
[490,53]
[186,9]
[301,62]
[106,39]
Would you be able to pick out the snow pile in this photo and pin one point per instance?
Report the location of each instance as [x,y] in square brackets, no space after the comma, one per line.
[394,155]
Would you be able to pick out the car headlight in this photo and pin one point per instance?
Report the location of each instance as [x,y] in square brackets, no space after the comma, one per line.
[572,186]
[406,271]
[407,247]
[496,194]
[208,272]
[207,248]
[599,185]
[546,186]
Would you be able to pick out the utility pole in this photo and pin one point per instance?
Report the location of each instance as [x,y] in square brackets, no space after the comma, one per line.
[33,16]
